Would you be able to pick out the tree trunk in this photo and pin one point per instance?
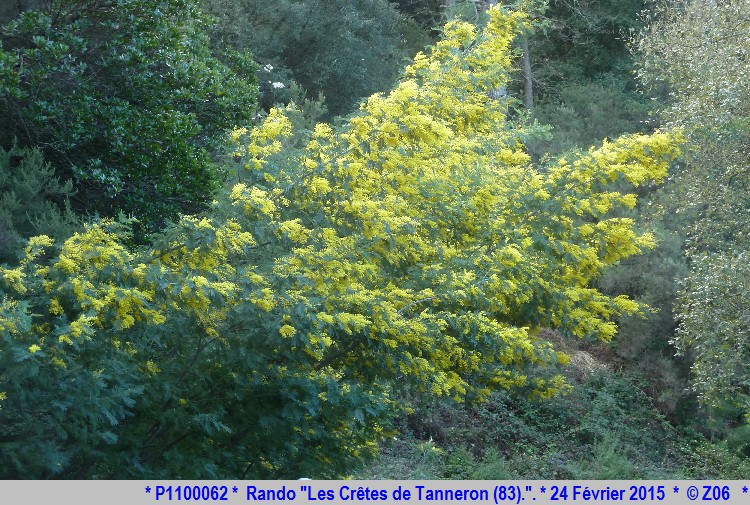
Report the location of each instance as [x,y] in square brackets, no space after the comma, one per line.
[528,86]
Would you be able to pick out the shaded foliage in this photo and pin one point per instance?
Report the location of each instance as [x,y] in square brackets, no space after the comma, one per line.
[344,49]
[32,202]
[605,428]
[696,50]
[125,100]
[583,78]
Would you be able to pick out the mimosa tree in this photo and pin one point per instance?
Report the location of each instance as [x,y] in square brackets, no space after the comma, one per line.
[415,248]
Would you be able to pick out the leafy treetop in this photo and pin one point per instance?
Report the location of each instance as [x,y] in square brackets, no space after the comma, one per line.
[126,100]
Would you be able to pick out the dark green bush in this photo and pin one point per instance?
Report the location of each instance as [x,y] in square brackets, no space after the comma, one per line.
[33,201]
[125,99]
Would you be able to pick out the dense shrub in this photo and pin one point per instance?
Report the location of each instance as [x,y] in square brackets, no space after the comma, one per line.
[126,100]
[32,202]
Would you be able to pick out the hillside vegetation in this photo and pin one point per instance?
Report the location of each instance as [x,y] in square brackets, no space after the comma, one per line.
[468,240]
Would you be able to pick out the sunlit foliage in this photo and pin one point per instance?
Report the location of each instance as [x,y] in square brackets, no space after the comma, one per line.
[413,249]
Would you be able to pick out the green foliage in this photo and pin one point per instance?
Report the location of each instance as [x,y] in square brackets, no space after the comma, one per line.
[465,10]
[493,467]
[605,428]
[643,342]
[714,309]
[583,113]
[32,202]
[608,461]
[413,249]
[428,13]
[406,458]
[707,74]
[702,459]
[696,50]
[343,49]
[585,40]
[125,99]
[582,73]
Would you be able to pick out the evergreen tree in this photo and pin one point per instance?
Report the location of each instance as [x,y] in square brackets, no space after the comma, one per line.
[583,73]
[125,99]
[344,49]
[32,202]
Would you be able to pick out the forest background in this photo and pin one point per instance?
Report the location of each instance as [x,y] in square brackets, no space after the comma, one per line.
[481,271]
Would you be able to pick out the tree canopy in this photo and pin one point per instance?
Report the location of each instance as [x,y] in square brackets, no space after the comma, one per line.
[697,51]
[126,100]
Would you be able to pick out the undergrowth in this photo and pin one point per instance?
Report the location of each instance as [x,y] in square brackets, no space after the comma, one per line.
[607,427]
